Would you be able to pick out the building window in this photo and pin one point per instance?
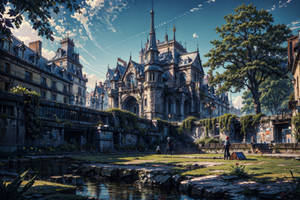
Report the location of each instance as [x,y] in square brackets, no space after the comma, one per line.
[182,79]
[145,102]
[65,89]
[79,91]
[53,97]
[7,68]
[28,76]
[53,86]
[43,94]
[151,77]
[65,99]
[43,81]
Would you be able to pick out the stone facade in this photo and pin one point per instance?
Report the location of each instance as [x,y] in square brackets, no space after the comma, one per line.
[168,83]
[294,67]
[52,79]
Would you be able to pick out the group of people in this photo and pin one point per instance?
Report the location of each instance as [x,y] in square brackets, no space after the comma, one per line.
[169,149]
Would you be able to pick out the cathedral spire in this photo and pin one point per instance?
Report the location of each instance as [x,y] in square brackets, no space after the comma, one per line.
[152,53]
[152,37]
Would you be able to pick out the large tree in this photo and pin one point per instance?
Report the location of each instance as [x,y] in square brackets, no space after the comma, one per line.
[37,11]
[249,50]
[274,96]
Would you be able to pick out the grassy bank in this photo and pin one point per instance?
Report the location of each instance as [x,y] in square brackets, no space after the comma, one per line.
[258,167]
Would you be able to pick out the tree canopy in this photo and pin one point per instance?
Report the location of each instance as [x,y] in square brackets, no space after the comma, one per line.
[38,12]
[250,49]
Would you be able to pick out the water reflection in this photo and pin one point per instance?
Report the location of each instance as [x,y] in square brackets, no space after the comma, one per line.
[117,191]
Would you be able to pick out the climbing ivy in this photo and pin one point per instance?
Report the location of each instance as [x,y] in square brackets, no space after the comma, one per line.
[162,123]
[31,110]
[224,122]
[249,122]
[128,121]
[187,124]
[296,124]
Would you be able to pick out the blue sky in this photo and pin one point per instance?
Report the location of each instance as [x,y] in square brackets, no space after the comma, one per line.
[107,29]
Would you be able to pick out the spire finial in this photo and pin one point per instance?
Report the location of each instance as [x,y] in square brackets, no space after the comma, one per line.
[174,30]
[197,47]
[130,56]
[166,35]
[152,5]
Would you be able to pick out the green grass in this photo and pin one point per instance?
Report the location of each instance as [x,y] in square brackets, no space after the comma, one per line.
[259,167]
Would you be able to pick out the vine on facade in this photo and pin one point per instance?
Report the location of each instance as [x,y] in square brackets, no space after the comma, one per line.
[31,110]
[128,121]
[225,122]
[249,122]
[187,124]
[296,124]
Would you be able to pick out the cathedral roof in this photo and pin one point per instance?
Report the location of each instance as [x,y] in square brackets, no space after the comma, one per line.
[139,67]
[187,58]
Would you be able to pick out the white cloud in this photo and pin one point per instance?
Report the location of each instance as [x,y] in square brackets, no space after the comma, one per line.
[295,28]
[48,53]
[92,79]
[95,3]
[26,33]
[237,102]
[60,29]
[210,1]
[194,9]
[294,25]
[195,35]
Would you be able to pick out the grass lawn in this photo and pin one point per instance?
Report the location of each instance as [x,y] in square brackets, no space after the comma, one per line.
[259,167]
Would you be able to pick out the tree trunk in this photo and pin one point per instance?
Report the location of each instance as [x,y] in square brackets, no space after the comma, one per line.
[257,105]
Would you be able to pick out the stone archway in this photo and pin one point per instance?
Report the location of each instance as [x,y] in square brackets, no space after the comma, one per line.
[131,104]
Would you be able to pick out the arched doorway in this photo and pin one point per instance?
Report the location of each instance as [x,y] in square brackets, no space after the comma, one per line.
[131,105]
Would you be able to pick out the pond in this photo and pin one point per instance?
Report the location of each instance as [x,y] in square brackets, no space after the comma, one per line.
[117,191]
[54,169]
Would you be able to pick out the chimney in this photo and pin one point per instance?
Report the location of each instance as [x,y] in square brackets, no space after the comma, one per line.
[36,46]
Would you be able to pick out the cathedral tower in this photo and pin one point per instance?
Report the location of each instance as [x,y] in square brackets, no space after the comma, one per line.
[153,77]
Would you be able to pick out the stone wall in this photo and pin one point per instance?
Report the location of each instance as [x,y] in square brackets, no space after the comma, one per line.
[88,128]
[270,129]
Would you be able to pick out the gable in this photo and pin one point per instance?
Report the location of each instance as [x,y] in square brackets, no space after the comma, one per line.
[129,69]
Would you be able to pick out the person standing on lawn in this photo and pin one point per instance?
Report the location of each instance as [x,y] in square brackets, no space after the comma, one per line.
[226,149]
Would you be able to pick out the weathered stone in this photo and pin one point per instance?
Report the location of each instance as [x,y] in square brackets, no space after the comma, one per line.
[109,172]
[177,178]
[162,180]
[229,177]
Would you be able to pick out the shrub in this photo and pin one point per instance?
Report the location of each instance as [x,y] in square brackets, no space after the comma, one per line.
[13,190]
[239,171]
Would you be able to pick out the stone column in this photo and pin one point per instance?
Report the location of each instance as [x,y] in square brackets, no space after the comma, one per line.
[182,108]
[192,105]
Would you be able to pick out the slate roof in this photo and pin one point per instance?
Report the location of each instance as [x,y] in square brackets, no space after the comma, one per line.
[33,58]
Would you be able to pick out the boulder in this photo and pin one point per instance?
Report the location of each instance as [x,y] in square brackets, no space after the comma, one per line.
[163,180]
